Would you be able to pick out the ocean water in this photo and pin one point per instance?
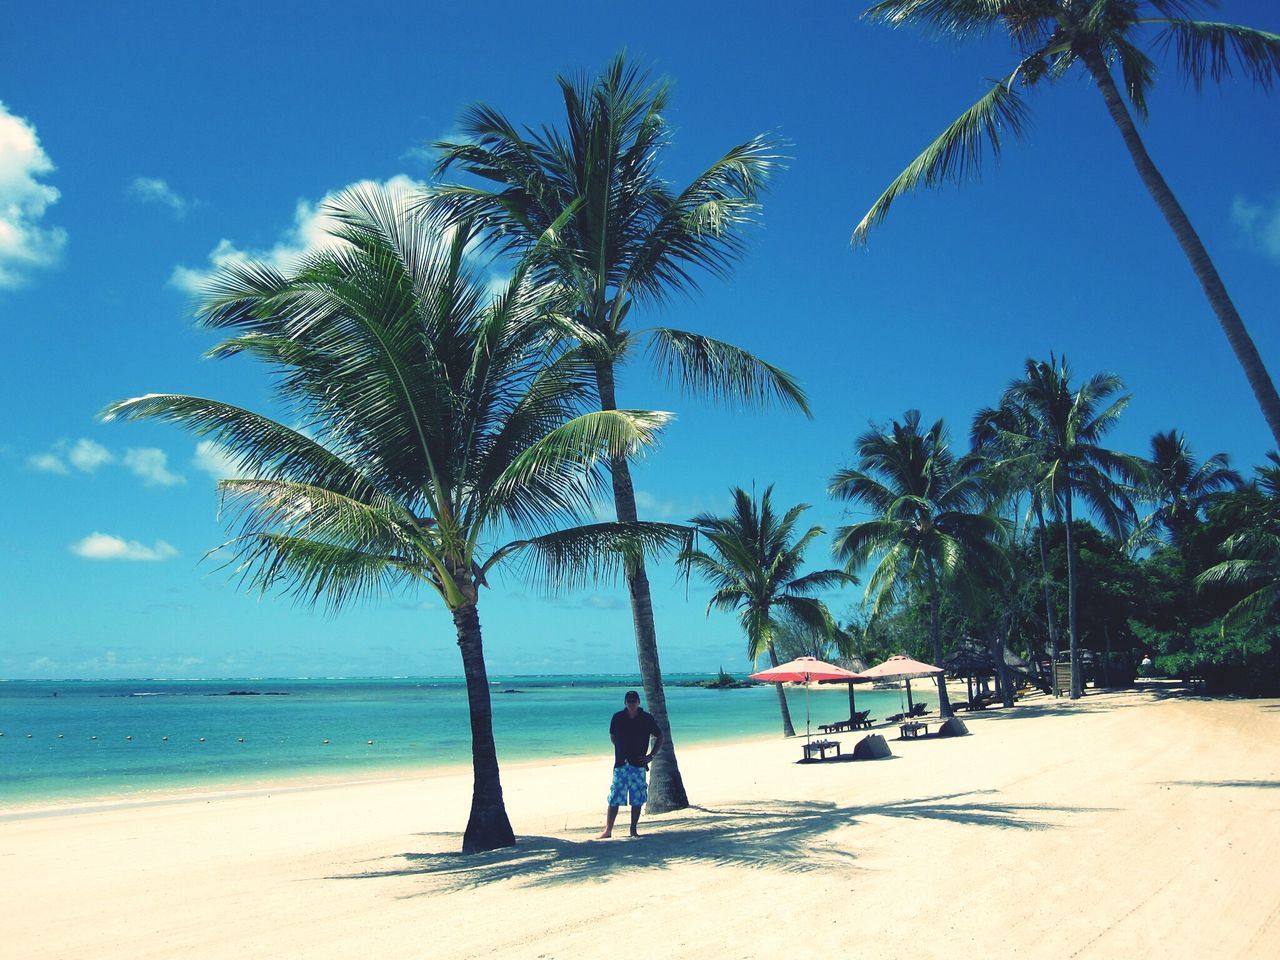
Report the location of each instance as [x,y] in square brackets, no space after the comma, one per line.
[78,740]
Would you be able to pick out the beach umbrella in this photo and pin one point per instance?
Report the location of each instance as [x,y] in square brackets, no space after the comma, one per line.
[901,667]
[804,670]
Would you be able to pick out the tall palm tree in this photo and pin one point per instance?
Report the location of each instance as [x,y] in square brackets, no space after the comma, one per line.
[988,436]
[1051,37]
[928,523]
[1181,486]
[611,233]
[430,422]
[754,561]
[1253,555]
[1063,428]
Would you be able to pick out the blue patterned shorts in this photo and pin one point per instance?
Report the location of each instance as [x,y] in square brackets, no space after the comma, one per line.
[628,780]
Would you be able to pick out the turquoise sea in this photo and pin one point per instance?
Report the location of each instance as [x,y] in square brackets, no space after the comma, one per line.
[79,740]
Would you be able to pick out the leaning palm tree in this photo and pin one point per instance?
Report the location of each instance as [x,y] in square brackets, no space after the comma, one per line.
[1058,434]
[613,235]
[1253,556]
[754,561]
[428,422]
[1181,486]
[928,522]
[1053,36]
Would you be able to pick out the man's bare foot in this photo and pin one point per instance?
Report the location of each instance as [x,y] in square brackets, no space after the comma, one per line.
[633,834]
[605,836]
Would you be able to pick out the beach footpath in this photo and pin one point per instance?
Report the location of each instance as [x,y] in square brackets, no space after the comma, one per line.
[1127,823]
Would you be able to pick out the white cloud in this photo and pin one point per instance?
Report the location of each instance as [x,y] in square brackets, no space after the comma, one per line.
[24,243]
[103,546]
[152,466]
[155,190]
[647,505]
[47,463]
[217,461]
[88,456]
[309,233]
[1260,224]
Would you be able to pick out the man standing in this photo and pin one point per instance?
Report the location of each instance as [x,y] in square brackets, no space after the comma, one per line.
[630,730]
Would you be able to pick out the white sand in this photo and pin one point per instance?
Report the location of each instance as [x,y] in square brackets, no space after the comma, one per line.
[1123,825]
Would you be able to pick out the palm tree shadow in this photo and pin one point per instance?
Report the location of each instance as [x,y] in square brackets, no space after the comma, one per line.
[1260,784]
[782,835]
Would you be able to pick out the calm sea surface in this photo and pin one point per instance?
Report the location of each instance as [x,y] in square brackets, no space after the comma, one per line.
[82,739]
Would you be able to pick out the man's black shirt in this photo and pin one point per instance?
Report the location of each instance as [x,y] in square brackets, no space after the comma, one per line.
[631,737]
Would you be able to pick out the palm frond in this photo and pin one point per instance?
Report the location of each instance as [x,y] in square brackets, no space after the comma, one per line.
[956,155]
[1217,50]
[719,371]
[569,559]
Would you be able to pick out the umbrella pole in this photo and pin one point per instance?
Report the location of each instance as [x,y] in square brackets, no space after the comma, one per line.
[852,708]
[806,711]
[910,706]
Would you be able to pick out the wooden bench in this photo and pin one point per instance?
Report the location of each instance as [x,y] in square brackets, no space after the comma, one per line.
[913,729]
[820,747]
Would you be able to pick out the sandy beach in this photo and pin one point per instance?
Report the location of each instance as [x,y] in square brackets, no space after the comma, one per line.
[1123,824]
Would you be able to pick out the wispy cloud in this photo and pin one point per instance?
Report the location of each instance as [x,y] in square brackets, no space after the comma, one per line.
[25,243]
[157,191]
[152,465]
[103,546]
[309,233]
[215,460]
[1259,222]
[87,456]
[148,463]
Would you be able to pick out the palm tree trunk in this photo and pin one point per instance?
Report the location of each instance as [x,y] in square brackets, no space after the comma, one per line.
[1050,623]
[787,729]
[1077,688]
[666,787]
[488,827]
[935,631]
[1216,292]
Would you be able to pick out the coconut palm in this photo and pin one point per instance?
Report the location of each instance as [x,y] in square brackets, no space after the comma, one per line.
[1008,475]
[428,422]
[613,235]
[1253,555]
[753,561]
[928,522]
[1063,427]
[1181,486]
[1053,36]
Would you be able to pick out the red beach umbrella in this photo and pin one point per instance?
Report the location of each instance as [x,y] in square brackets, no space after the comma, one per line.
[804,670]
[901,668]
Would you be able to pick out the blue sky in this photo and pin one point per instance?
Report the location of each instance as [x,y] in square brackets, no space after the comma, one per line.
[140,142]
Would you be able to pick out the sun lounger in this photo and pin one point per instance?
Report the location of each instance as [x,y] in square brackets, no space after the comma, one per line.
[838,727]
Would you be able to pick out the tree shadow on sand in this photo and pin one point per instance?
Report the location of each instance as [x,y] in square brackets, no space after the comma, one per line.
[785,835]
[1257,784]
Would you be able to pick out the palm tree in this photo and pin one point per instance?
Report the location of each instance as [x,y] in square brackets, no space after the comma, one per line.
[1061,430]
[1051,37]
[430,422]
[1181,486]
[927,526]
[1253,555]
[611,233]
[988,436]
[754,564]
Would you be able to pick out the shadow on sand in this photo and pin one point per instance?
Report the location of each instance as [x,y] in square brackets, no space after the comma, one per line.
[1259,784]
[786,835]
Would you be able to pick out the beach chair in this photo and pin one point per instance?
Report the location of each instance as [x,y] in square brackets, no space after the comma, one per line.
[919,710]
[862,720]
